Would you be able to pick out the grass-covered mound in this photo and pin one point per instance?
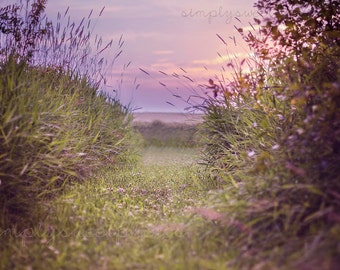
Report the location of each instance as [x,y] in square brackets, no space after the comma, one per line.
[272,141]
[56,127]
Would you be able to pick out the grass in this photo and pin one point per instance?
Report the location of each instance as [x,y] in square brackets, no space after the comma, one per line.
[161,213]
[65,132]
[74,198]
[158,133]
[56,124]
[134,217]
[174,156]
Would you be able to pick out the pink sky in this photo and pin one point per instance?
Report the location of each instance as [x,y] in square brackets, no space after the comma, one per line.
[164,36]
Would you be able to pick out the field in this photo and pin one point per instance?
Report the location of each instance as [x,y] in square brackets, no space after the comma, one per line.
[168,129]
[182,118]
[136,217]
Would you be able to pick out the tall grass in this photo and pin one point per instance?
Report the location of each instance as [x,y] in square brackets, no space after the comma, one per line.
[271,142]
[56,127]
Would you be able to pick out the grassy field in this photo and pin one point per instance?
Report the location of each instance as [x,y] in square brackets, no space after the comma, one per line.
[168,129]
[254,185]
[167,117]
[163,134]
[135,217]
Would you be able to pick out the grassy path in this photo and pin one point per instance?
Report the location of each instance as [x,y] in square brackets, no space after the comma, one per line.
[131,218]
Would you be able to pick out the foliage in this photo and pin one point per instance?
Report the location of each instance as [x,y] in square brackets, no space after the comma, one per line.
[235,130]
[299,28]
[285,199]
[312,86]
[56,127]
[23,31]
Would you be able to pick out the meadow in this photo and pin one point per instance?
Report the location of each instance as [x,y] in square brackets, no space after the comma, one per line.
[140,216]
[253,185]
[160,133]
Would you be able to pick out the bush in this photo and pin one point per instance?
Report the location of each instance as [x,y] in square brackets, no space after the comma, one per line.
[283,204]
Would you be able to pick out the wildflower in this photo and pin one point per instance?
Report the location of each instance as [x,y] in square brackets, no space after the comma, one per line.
[281,117]
[121,190]
[251,153]
[300,131]
[275,147]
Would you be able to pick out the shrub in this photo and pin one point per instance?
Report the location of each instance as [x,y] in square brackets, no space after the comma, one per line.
[283,205]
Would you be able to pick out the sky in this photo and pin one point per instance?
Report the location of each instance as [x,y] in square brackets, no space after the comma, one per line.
[169,46]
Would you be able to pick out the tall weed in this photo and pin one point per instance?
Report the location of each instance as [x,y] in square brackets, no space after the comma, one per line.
[237,128]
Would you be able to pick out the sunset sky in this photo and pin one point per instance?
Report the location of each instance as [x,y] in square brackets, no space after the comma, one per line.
[175,37]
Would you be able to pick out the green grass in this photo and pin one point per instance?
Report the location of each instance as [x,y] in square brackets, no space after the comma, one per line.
[56,124]
[72,196]
[158,133]
[53,130]
[174,156]
[159,214]
[133,217]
